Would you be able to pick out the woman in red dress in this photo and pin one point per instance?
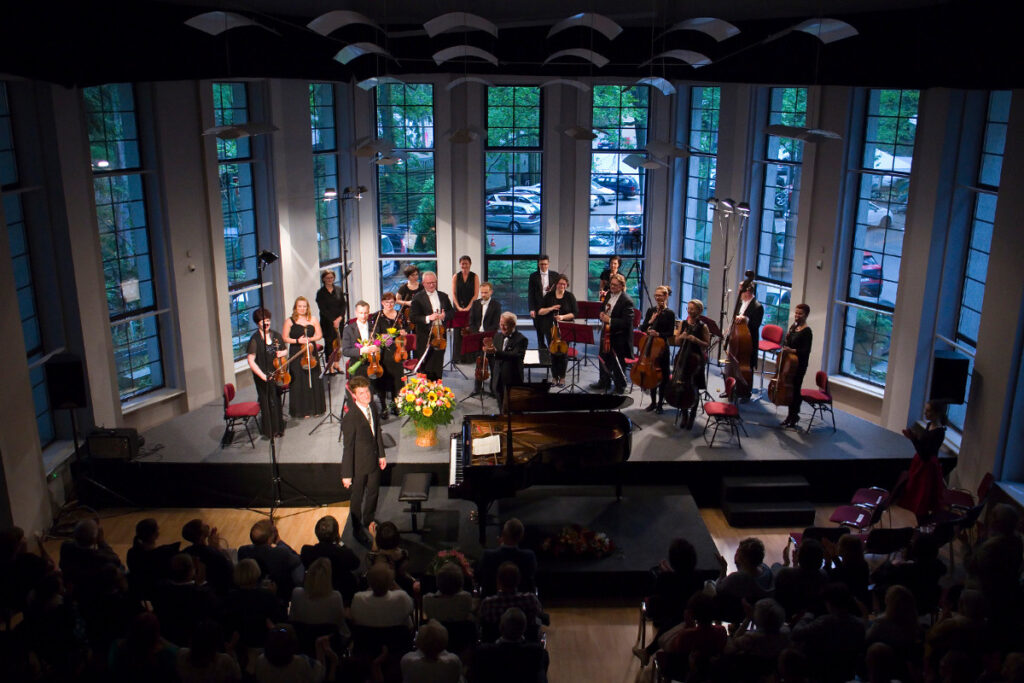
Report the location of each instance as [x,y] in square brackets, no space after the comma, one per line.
[924,480]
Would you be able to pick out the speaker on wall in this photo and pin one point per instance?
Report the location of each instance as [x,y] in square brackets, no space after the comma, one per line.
[65,382]
[949,377]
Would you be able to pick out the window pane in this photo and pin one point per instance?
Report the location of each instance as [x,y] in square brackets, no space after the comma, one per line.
[392,272]
[231,107]
[113,134]
[510,278]
[866,339]
[700,186]
[406,205]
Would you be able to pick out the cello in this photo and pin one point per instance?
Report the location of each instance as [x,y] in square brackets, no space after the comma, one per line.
[780,389]
[646,374]
[681,391]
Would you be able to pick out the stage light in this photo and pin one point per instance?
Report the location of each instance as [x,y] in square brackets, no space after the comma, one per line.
[330,193]
[266,256]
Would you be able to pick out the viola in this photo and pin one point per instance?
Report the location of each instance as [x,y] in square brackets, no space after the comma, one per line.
[558,346]
[437,338]
[400,353]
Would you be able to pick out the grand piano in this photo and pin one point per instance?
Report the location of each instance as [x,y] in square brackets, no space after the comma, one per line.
[566,432]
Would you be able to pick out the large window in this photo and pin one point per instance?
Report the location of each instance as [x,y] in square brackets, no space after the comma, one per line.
[782,163]
[512,192]
[405,181]
[975,265]
[238,212]
[883,191]
[125,242]
[325,171]
[21,260]
[705,104]
[617,189]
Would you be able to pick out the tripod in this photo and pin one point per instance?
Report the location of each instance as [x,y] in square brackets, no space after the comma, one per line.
[459,321]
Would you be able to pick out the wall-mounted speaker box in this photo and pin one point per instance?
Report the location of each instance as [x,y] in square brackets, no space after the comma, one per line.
[114,444]
[949,377]
[65,382]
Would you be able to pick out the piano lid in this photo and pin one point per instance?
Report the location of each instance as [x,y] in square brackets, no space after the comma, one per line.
[535,398]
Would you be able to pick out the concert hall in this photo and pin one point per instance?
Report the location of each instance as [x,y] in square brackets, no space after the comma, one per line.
[383,340]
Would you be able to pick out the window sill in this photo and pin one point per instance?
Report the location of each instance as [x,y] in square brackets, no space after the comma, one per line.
[857,385]
[152,398]
[1014,490]
[55,455]
[241,365]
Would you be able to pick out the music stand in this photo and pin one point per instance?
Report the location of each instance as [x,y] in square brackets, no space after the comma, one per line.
[327,377]
[474,343]
[576,333]
[458,321]
[716,343]
[590,310]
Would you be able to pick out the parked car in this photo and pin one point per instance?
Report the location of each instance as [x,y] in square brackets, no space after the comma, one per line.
[878,216]
[390,266]
[399,236]
[512,216]
[630,231]
[603,194]
[625,185]
[602,240]
[514,195]
[870,276]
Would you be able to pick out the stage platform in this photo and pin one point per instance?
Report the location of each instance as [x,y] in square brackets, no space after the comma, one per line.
[183,463]
[640,524]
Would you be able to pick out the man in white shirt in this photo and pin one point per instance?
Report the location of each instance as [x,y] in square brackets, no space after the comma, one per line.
[380,606]
[541,281]
[362,457]
[484,316]
[430,307]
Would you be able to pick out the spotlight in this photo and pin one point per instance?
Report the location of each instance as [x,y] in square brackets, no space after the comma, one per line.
[102,163]
[744,209]
[330,193]
[266,256]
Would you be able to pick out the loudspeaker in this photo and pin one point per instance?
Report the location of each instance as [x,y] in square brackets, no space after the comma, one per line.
[949,377]
[65,381]
[114,444]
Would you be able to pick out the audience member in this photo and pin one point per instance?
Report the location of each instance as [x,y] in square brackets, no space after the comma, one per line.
[882,664]
[799,589]
[675,580]
[281,663]
[994,566]
[849,567]
[148,563]
[751,581]
[276,559]
[430,662]
[249,607]
[964,629]
[386,550]
[508,550]
[20,569]
[344,562]
[688,649]
[834,641]
[204,662]
[382,606]
[512,658]
[897,627]
[450,602]
[920,572]
[53,630]
[769,637]
[82,558]
[144,655]
[316,601]
[493,607]
[206,546]
[181,601]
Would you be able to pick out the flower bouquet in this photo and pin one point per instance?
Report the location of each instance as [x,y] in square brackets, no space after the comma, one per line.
[577,542]
[428,404]
[380,341]
[443,557]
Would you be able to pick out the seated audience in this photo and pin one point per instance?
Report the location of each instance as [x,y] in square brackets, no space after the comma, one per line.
[493,607]
[82,558]
[385,550]
[382,606]
[920,572]
[849,567]
[249,607]
[276,559]
[53,631]
[181,602]
[20,569]
[512,658]
[675,581]
[204,661]
[344,562]
[751,581]
[994,566]
[898,626]
[450,602]
[143,655]
[799,589]
[834,640]
[882,664]
[148,563]
[281,663]
[688,649]
[430,662]
[508,550]
[316,601]
[206,546]
[967,628]
[769,637]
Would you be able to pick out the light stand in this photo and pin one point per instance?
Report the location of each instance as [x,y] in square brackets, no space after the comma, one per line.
[264,259]
[725,209]
[331,194]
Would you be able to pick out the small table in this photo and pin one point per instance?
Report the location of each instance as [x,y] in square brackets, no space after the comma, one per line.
[536,358]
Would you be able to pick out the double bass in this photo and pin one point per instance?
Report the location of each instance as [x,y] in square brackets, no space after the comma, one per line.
[740,349]
[780,389]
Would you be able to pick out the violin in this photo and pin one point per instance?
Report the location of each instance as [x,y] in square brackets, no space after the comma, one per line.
[308,361]
[646,374]
[558,345]
[437,338]
[606,334]
[483,372]
[280,375]
[373,368]
[400,353]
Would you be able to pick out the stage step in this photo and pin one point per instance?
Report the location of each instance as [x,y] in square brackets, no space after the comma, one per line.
[765,489]
[795,514]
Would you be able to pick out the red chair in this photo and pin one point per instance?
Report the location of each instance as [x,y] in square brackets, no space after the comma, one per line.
[862,517]
[770,343]
[409,364]
[959,499]
[819,399]
[243,412]
[723,412]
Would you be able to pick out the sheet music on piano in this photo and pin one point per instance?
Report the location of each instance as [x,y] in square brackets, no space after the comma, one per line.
[487,445]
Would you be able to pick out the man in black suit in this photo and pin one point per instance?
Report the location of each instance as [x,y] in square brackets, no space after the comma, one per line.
[276,559]
[541,281]
[362,457]
[343,561]
[427,306]
[508,550]
[618,314]
[750,312]
[507,357]
[484,316]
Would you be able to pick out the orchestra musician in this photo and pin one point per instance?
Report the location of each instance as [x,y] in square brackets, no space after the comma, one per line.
[749,311]
[484,316]
[798,339]
[330,302]
[618,317]
[264,345]
[465,290]
[430,305]
[306,392]
[606,275]
[660,321]
[507,356]
[352,337]
[410,287]
[693,336]
[541,282]
[560,307]
[388,318]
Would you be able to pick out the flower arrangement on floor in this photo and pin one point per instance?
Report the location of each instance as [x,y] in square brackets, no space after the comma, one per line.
[575,541]
[381,341]
[443,557]
[428,404]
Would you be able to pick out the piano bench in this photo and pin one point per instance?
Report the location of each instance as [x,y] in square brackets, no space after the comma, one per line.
[415,489]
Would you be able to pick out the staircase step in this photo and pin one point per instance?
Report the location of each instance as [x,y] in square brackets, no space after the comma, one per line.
[794,514]
[765,488]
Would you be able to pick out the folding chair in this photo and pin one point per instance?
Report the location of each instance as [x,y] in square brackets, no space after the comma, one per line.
[819,399]
[243,412]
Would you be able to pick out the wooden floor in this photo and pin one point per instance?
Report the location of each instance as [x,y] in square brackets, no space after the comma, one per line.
[587,641]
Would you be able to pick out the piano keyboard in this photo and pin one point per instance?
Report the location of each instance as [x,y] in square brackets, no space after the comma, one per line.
[455,465]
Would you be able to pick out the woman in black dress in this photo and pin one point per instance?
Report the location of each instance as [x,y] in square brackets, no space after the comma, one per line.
[694,337]
[660,321]
[924,478]
[798,339]
[562,303]
[331,303]
[264,345]
[390,382]
[306,392]
[606,275]
[404,299]
[465,289]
